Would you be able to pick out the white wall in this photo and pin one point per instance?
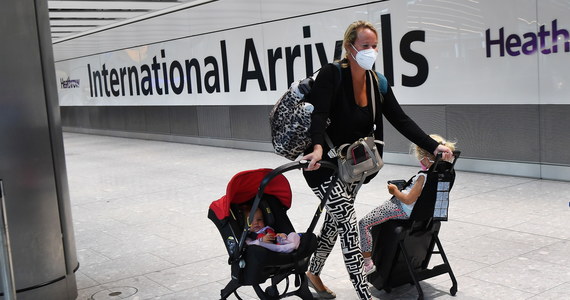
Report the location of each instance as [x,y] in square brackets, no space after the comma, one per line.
[491,74]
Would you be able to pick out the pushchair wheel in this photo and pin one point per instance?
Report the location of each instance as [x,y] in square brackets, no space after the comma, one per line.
[453,290]
[272,291]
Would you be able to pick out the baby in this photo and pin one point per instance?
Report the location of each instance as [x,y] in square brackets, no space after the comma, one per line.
[265,236]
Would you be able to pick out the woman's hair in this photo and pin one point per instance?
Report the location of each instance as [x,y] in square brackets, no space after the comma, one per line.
[351,32]
[421,153]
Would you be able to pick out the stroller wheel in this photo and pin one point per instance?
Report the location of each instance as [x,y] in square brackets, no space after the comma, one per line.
[453,291]
[272,291]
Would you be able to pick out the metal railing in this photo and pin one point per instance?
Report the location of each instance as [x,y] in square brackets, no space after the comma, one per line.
[6,268]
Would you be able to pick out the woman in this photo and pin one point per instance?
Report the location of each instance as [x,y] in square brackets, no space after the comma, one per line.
[345,100]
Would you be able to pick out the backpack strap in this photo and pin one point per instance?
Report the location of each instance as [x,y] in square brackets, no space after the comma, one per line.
[409,182]
[337,65]
[382,83]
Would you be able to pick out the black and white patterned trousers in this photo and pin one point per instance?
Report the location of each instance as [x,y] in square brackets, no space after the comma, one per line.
[340,220]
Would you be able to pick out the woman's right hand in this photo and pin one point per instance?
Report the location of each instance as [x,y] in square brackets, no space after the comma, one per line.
[314,157]
[446,153]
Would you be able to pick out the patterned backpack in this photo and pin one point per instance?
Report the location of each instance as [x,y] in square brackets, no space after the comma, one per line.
[290,119]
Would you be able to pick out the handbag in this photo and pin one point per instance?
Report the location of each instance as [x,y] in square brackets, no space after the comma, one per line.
[358,160]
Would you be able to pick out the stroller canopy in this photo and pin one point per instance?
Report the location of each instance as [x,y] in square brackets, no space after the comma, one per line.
[244,186]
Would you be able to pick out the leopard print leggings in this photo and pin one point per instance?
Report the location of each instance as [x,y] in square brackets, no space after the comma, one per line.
[340,219]
[391,209]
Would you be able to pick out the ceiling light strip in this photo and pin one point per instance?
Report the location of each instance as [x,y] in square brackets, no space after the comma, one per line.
[137,19]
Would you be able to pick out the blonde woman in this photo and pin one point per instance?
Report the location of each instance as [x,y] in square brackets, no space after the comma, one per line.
[345,99]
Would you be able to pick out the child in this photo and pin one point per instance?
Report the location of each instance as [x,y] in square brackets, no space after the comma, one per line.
[400,206]
[265,236]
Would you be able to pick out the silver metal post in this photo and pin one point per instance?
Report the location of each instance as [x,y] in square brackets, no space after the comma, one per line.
[6,270]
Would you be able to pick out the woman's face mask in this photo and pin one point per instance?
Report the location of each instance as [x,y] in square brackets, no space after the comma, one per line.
[365,58]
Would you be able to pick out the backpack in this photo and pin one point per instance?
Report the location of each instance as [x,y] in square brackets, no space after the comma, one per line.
[290,118]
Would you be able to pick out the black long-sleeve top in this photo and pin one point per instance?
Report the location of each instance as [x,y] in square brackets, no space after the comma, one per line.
[333,98]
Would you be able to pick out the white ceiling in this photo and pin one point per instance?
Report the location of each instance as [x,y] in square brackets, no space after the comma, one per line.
[68,18]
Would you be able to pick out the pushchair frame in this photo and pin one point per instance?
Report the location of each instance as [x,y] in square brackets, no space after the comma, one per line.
[238,248]
[406,246]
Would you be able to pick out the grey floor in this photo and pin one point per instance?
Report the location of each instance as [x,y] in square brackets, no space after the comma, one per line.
[142,232]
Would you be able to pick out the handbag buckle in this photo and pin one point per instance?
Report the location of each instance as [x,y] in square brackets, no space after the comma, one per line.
[332,153]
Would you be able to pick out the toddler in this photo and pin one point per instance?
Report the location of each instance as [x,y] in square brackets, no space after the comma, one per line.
[400,206]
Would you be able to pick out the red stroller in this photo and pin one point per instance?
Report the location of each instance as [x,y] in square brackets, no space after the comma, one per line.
[251,264]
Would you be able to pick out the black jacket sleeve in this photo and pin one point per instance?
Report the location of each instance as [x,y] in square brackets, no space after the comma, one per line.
[322,95]
[404,124]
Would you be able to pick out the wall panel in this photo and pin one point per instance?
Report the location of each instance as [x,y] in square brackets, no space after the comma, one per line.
[554,133]
[183,120]
[250,122]
[214,122]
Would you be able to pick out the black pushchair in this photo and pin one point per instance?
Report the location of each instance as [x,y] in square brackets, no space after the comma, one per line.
[402,249]
[252,265]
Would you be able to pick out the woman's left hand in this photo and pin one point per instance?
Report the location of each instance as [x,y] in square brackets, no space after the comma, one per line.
[314,158]
[446,153]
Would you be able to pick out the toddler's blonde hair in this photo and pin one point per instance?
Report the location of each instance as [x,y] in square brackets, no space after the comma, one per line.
[421,153]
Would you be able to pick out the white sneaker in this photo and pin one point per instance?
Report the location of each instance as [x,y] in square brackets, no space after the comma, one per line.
[369,268]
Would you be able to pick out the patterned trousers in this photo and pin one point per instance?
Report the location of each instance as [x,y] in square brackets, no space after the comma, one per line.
[340,219]
[391,209]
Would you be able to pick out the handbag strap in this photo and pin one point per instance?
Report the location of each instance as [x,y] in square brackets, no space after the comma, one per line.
[373,96]
[333,152]
[364,143]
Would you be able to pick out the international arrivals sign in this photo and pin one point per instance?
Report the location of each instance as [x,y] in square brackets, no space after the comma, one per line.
[164,76]
[427,63]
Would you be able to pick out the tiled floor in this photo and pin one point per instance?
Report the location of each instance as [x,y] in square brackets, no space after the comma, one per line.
[139,211]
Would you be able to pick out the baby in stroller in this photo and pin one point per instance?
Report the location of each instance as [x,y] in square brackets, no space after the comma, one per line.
[265,236]
[268,195]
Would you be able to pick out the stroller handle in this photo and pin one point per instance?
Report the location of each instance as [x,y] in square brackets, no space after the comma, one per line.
[439,157]
[301,164]
[276,172]
[293,166]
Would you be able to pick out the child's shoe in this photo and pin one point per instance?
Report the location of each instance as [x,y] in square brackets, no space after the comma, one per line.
[369,266]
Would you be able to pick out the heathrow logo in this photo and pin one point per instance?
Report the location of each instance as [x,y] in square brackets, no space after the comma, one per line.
[68,83]
[546,41]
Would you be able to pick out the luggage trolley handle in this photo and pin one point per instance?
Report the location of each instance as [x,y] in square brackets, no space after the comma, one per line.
[6,267]
[278,171]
